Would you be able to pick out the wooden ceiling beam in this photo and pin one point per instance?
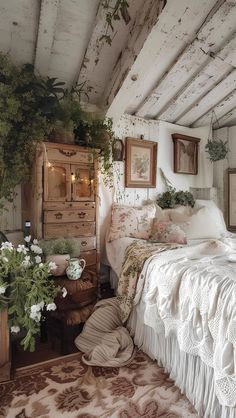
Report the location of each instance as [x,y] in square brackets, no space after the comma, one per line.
[210,100]
[100,57]
[136,74]
[193,59]
[46,32]
[220,110]
[197,88]
[227,120]
[201,84]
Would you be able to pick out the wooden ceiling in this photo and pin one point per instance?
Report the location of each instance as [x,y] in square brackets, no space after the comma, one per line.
[173,60]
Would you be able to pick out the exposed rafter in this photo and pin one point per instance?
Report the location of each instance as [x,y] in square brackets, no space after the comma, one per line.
[227,120]
[135,77]
[224,107]
[100,57]
[210,100]
[46,31]
[192,61]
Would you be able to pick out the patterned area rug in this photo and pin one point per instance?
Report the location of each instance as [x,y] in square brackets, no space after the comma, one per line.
[66,387]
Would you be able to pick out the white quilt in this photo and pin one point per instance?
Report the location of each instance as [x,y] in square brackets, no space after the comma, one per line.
[191,292]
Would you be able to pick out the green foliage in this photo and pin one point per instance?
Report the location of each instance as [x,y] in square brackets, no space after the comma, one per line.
[26,289]
[216,149]
[22,123]
[30,108]
[98,135]
[60,246]
[120,10]
[171,198]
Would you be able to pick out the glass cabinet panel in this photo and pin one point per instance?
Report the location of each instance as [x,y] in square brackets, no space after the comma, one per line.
[57,182]
[82,182]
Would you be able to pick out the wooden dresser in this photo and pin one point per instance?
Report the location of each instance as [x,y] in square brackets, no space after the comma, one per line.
[61,199]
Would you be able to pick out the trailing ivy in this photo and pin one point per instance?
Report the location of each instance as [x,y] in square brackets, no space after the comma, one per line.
[30,108]
[22,123]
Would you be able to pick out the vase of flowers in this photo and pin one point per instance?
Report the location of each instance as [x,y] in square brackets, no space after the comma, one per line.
[26,288]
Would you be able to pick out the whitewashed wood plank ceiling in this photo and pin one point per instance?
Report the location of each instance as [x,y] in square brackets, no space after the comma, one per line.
[169,60]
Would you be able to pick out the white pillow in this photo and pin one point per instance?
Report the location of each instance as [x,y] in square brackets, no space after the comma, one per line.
[180,214]
[202,225]
[216,213]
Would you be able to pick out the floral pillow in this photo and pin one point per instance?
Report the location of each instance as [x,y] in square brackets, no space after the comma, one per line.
[134,222]
[167,232]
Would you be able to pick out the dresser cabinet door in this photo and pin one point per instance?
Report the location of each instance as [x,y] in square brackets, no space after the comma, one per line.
[57,182]
[82,182]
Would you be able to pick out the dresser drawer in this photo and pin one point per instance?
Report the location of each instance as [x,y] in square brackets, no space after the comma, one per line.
[86,243]
[68,230]
[57,206]
[71,156]
[58,216]
[89,256]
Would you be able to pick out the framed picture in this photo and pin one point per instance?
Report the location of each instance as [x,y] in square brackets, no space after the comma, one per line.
[232,198]
[118,150]
[185,154]
[140,163]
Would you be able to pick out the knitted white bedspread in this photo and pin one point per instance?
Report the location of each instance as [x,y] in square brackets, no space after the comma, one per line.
[191,292]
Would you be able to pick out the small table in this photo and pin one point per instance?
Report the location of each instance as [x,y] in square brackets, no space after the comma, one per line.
[73,310]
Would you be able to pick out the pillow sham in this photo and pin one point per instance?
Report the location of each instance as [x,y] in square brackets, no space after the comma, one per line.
[202,225]
[181,214]
[168,232]
[134,222]
[216,213]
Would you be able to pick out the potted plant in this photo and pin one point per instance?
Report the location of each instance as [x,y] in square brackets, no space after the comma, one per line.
[26,289]
[59,252]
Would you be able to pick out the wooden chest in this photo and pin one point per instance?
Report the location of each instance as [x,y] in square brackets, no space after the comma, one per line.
[63,198]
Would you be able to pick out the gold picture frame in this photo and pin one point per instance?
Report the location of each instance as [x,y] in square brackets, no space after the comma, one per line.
[140,163]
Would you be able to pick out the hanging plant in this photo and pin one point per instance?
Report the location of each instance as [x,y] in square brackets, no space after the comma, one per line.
[217,149]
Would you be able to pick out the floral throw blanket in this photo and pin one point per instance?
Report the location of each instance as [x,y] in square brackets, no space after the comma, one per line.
[135,256]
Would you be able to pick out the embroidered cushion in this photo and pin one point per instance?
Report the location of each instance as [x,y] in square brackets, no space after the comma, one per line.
[134,222]
[167,232]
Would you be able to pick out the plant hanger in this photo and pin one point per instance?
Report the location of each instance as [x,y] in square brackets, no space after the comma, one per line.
[217,149]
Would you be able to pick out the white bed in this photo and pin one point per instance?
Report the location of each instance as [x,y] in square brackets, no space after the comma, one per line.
[199,351]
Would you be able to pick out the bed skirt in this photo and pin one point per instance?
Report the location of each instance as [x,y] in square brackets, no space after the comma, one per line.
[191,375]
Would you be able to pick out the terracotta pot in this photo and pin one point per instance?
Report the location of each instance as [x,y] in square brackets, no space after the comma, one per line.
[62,262]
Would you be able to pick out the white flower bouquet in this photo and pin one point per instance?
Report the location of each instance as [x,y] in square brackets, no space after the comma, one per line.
[25,288]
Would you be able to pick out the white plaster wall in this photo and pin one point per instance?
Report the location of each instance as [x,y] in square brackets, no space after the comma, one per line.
[159,132]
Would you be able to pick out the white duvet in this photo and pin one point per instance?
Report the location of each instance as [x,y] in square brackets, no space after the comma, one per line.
[191,292]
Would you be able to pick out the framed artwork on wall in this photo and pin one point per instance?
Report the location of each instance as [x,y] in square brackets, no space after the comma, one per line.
[232,198]
[140,163]
[185,154]
[118,150]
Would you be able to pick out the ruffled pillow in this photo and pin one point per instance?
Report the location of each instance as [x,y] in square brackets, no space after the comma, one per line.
[134,222]
[167,232]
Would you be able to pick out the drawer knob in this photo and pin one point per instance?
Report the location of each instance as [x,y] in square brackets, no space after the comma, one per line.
[58,215]
[67,153]
[81,214]
[84,243]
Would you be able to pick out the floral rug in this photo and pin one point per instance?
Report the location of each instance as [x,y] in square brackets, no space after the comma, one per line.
[65,387]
